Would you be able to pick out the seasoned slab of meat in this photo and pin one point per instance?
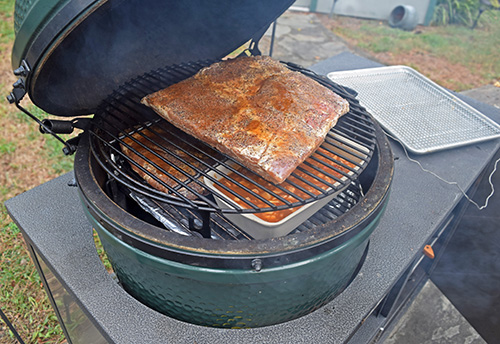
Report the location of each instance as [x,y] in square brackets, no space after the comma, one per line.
[255,110]
[166,162]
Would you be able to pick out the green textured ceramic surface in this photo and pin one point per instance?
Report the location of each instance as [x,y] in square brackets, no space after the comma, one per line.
[22,8]
[234,298]
[30,17]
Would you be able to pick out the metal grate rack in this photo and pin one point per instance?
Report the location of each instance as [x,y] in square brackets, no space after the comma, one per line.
[123,122]
[424,116]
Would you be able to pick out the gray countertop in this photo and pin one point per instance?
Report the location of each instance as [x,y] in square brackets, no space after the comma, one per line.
[52,219]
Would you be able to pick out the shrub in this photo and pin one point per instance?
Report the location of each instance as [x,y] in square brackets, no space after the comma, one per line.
[460,12]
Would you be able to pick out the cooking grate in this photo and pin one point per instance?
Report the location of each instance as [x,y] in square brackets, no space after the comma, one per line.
[423,115]
[123,123]
[180,220]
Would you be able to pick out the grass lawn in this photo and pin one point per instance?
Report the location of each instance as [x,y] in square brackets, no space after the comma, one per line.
[27,159]
[455,57]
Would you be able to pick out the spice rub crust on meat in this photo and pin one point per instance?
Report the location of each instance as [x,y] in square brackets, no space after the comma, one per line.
[255,110]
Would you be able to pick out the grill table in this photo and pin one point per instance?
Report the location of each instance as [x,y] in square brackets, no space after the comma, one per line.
[422,210]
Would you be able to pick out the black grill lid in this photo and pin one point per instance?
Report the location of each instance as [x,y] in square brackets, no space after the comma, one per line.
[99,48]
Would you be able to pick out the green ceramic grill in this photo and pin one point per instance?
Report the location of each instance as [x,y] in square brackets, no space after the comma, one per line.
[184,257]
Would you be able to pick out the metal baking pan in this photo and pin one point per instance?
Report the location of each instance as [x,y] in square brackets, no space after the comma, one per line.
[424,116]
[262,229]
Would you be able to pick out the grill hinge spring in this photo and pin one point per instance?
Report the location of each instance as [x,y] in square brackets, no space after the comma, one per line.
[46,126]
[55,127]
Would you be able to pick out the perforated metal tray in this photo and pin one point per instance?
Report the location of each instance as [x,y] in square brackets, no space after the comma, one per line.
[424,116]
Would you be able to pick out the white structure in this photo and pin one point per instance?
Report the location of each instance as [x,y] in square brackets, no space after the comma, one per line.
[370,9]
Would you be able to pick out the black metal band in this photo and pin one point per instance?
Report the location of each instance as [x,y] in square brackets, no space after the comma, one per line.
[200,259]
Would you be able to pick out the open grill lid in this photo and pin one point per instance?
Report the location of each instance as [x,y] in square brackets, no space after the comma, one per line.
[75,53]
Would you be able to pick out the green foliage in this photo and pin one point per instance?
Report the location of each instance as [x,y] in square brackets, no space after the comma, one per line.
[460,12]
